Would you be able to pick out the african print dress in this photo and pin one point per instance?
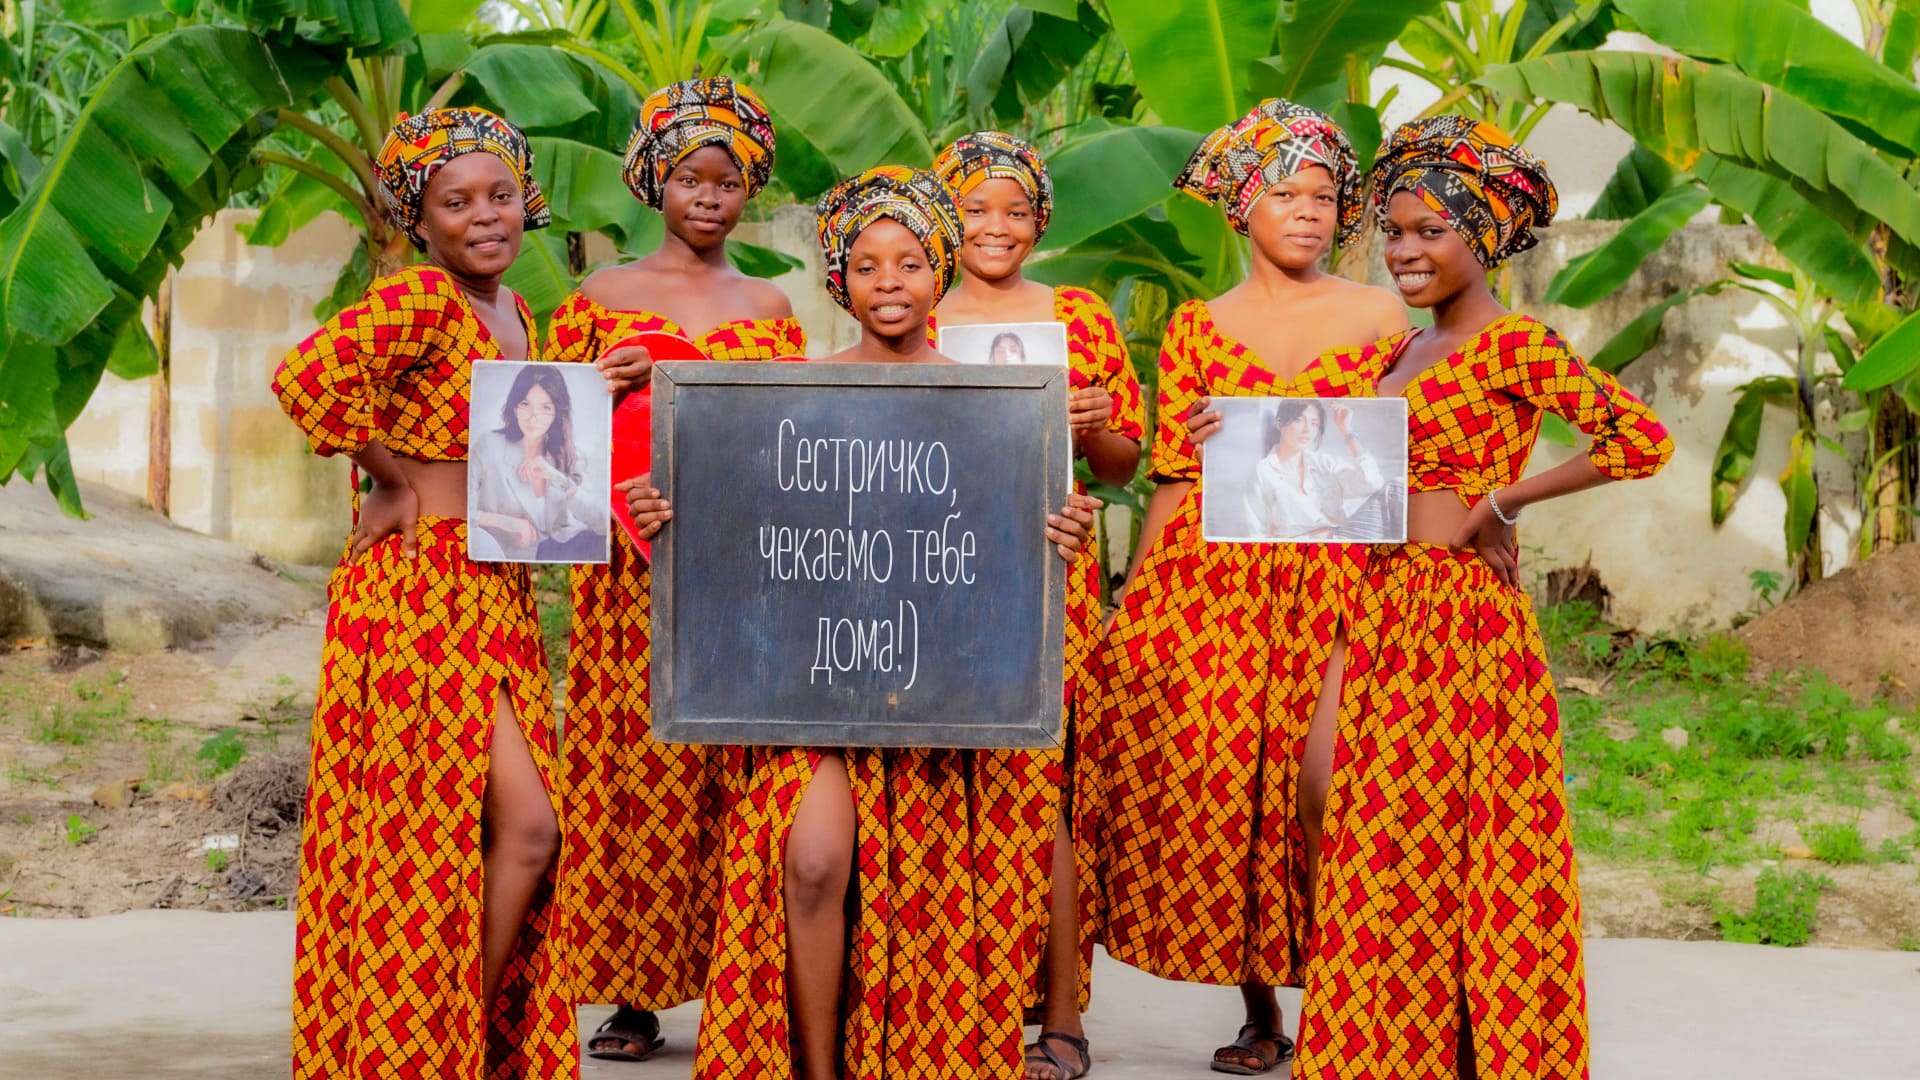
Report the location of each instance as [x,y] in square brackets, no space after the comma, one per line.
[951,869]
[1447,873]
[388,926]
[645,817]
[1198,705]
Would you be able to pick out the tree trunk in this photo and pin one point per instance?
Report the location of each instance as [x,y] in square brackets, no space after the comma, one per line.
[160,405]
[1893,484]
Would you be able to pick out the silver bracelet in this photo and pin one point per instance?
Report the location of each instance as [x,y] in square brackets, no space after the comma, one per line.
[1501,514]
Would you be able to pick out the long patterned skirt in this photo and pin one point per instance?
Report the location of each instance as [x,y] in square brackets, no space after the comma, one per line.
[386,977]
[1189,757]
[1448,875]
[645,818]
[950,881]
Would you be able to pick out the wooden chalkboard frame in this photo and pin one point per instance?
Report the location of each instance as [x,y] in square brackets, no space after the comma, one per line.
[671,722]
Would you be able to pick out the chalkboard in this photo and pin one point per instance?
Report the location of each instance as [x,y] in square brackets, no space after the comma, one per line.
[858,555]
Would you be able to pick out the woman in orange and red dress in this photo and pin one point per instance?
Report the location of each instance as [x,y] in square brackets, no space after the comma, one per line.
[1005,197]
[427,939]
[1194,798]
[875,920]
[1448,925]
[645,817]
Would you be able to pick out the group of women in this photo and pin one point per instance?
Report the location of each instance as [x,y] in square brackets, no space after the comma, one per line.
[1326,766]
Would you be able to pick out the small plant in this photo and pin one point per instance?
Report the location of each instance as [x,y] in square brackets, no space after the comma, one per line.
[217,861]
[222,752]
[163,756]
[1908,942]
[78,830]
[1766,585]
[1784,906]
[21,773]
[1838,843]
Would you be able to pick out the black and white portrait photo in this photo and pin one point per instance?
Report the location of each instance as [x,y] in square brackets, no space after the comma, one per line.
[1005,343]
[1306,470]
[538,484]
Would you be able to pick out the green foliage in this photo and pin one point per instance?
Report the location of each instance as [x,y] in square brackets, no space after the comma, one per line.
[217,861]
[78,830]
[1784,908]
[222,751]
[1838,843]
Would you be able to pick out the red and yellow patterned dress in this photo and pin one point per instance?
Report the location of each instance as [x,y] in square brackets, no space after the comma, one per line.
[387,940]
[952,865]
[1199,702]
[645,818]
[1448,867]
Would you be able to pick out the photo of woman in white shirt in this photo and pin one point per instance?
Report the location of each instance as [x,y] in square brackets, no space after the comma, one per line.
[529,489]
[1300,492]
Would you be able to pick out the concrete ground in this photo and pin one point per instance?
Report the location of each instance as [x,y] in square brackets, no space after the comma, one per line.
[168,994]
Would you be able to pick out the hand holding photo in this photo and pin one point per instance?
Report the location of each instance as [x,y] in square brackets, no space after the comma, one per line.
[1002,344]
[1306,470]
[538,485]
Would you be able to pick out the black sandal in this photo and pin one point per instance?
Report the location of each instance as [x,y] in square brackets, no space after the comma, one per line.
[1248,1045]
[626,1027]
[1061,1070]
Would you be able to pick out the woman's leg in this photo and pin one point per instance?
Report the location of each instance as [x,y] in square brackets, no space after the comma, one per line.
[1316,769]
[1063,959]
[519,840]
[819,867]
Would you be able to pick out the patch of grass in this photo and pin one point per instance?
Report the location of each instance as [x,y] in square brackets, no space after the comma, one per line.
[1784,908]
[1838,843]
[78,830]
[553,595]
[163,753]
[22,774]
[221,752]
[1908,942]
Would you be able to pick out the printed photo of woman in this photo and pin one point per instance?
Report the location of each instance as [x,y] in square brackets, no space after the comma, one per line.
[532,488]
[1007,348]
[1299,491]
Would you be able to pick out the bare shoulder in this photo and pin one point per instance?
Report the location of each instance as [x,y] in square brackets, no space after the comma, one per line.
[768,300]
[616,287]
[1388,311]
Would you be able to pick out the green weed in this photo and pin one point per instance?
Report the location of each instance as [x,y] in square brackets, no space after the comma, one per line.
[1783,913]
[78,831]
[162,752]
[1908,942]
[1838,843]
[221,752]
[217,861]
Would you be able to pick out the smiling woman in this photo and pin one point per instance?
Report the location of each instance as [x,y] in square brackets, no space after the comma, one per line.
[417,945]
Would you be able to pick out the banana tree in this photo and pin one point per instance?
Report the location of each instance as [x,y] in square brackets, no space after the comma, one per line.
[1813,138]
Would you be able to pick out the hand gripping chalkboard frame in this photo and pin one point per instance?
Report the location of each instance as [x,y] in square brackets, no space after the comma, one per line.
[698,696]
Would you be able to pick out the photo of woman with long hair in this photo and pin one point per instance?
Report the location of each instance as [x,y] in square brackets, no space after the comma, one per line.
[530,489]
[1299,491]
[1007,348]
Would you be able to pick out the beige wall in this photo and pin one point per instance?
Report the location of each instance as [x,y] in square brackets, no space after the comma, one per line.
[241,470]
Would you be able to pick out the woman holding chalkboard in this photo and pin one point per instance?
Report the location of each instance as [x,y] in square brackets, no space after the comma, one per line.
[647,816]
[1005,197]
[426,937]
[930,852]
[1204,764]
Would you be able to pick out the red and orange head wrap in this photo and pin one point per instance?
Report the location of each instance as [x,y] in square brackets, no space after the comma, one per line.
[676,120]
[418,146]
[1238,163]
[1485,185]
[995,155]
[913,197]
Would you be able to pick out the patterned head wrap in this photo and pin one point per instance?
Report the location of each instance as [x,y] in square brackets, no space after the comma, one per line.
[418,145]
[1487,187]
[676,120]
[913,197]
[995,155]
[1236,164]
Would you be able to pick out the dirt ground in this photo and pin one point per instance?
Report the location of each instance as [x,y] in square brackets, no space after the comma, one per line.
[1861,627]
[138,723]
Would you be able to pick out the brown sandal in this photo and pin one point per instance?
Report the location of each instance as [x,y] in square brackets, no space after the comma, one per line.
[626,1027]
[1248,1047]
[1061,1070]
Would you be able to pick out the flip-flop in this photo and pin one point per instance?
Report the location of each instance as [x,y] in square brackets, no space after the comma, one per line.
[626,1027]
[1248,1044]
[1061,1070]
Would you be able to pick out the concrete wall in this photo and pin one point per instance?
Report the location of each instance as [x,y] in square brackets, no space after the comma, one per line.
[241,470]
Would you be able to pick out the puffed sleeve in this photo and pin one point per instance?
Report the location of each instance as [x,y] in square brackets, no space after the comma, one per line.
[329,383]
[793,338]
[573,332]
[1174,458]
[1099,354]
[1629,441]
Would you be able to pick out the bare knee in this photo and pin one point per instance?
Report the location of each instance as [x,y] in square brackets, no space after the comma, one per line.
[1311,801]
[528,836]
[817,875]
